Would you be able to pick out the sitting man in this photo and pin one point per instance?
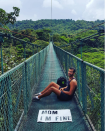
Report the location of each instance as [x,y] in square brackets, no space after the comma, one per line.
[65,93]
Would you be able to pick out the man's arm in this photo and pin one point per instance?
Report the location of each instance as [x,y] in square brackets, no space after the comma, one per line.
[63,88]
[73,85]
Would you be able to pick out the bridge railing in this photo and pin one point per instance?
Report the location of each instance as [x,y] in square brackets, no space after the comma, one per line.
[90,86]
[16,89]
[14,51]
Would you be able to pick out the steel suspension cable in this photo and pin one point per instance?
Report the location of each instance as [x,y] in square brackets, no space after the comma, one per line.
[17,33]
[51,14]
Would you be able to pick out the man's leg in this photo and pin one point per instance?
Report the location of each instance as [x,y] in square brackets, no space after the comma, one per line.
[50,85]
[49,91]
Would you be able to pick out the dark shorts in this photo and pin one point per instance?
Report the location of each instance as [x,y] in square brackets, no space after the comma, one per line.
[63,96]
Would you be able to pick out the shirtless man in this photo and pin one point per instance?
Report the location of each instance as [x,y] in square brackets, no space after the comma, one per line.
[65,93]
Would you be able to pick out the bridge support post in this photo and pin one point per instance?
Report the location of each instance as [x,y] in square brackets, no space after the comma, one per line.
[37,49]
[66,63]
[25,88]
[39,64]
[81,49]
[70,60]
[84,94]
[78,80]
[102,74]
[33,49]
[61,58]
[72,48]
[35,70]
[28,85]
[52,38]
[1,40]
[24,46]
[10,109]
[60,55]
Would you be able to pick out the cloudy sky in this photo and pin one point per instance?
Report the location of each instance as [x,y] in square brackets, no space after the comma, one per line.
[89,10]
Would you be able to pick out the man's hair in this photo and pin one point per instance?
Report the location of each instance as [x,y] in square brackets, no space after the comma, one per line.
[73,69]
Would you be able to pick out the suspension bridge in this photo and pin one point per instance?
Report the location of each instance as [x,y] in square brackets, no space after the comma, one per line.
[17,86]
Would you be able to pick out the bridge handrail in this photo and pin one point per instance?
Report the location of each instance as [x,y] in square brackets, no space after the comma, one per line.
[23,43]
[95,67]
[88,75]
[16,89]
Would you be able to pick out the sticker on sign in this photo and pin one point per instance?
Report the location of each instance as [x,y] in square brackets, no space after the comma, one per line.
[54,115]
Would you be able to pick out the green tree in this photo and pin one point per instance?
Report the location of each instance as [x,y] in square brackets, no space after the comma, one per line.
[6,18]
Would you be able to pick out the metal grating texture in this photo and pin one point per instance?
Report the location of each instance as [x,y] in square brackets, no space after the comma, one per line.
[52,70]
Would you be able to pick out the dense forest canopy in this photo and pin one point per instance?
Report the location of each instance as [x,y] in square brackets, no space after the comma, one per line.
[60,26]
[38,32]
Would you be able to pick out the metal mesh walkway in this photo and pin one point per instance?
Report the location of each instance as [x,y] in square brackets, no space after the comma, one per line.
[52,70]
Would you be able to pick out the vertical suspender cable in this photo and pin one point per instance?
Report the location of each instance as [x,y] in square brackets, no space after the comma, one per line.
[51,14]
[51,11]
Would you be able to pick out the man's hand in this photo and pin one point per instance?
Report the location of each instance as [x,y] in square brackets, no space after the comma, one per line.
[65,87]
[61,89]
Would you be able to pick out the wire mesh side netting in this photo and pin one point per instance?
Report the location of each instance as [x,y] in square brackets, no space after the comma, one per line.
[90,86]
[16,89]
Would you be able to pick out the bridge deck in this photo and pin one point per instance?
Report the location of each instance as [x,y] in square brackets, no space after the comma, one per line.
[51,72]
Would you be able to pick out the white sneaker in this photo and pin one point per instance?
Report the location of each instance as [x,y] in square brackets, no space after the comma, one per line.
[37,94]
[35,99]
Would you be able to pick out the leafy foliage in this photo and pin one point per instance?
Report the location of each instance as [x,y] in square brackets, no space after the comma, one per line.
[41,37]
[61,26]
[5,18]
[96,57]
[13,50]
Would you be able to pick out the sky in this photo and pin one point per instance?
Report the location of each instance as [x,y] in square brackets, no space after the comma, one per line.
[89,10]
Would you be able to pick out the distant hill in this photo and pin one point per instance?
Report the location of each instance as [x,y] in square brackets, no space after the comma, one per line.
[60,26]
